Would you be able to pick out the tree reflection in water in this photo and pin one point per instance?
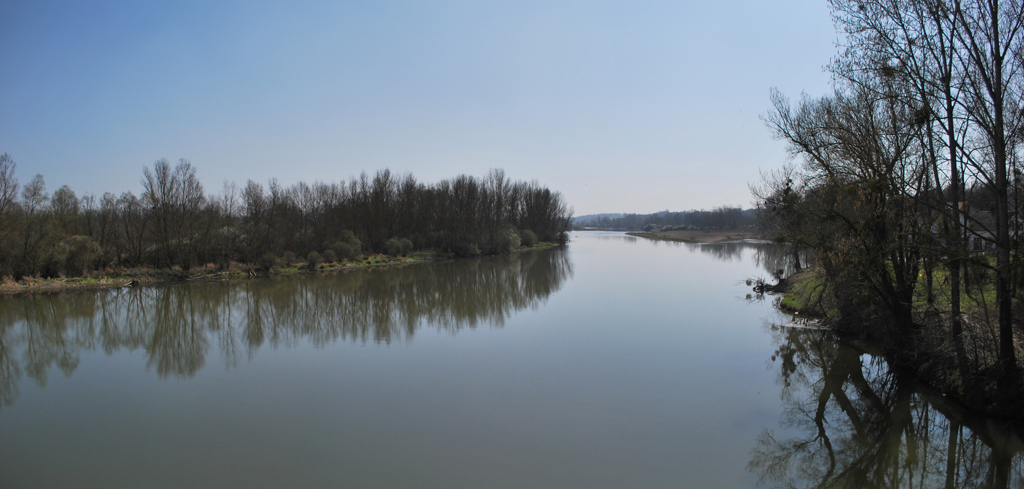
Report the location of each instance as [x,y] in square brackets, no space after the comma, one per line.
[175,325]
[779,260]
[864,425]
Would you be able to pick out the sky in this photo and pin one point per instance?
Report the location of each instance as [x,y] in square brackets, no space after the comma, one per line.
[637,106]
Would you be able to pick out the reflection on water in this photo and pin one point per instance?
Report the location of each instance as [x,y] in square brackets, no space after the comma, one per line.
[176,326]
[857,423]
[611,236]
[779,260]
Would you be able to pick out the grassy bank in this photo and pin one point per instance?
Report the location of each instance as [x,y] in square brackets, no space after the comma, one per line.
[114,278]
[804,294]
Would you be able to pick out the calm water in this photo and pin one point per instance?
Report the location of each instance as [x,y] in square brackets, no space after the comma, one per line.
[615,363]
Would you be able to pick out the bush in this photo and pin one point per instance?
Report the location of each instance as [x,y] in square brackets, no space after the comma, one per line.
[393,247]
[350,238]
[330,256]
[345,251]
[268,261]
[407,246]
[80,253]
[313,260]
[289,258]
[528,238]
[505,241]
[398,247]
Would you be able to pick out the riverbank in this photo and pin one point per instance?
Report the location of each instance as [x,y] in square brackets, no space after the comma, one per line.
[929,355]
[700,236]
[124,277]
[802,294]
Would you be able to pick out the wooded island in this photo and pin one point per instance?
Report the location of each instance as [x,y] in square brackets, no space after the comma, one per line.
[175,226]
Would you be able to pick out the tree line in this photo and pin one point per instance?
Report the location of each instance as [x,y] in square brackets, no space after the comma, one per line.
[910,186]
[174,223]
[723,217]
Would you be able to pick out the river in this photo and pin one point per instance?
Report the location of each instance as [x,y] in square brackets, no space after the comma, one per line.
[616,362]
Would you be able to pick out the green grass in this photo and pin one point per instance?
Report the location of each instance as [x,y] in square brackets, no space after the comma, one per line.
[804,293]
[973,299]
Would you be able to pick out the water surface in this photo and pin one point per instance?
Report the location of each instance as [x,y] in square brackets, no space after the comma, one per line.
[617,362]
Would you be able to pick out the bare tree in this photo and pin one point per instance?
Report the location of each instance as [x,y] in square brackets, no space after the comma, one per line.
[159,189]
[133,220]
[34,200]
[175,198]
[992,35]
[65,206]
[8,193]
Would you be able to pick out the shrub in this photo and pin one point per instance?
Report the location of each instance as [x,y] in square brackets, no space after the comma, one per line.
[393,247]
[80,253]
[528,238]
[330,256]
[398,247]
[345,251]
[407,246]
[313,259]
[350,238]
[268,261]
[505,241]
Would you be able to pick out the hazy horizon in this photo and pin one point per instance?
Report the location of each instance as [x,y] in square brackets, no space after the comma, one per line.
[631,108]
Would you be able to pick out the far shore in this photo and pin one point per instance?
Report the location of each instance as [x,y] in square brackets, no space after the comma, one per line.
[701,236]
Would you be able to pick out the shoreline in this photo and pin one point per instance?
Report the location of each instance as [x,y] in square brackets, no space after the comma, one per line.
[700,236]
[211,273]
[801,297]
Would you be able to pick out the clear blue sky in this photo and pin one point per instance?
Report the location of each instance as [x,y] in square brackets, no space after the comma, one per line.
[635,106]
